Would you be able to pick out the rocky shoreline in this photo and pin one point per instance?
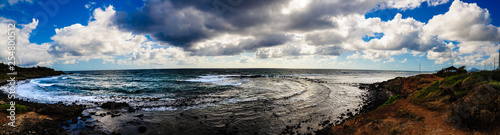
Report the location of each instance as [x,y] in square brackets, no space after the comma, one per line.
[454,103]
[38,118]
[377,94]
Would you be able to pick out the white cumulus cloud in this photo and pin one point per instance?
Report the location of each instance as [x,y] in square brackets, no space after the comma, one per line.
[100,37]
[464,22]
[26,53]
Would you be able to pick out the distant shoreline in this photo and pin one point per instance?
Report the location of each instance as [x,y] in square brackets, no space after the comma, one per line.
[246,69]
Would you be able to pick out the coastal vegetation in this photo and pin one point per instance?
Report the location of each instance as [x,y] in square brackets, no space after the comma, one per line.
[19,108]
[391,100]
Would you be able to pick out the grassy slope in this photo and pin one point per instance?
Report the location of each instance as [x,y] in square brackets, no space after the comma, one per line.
[429,107]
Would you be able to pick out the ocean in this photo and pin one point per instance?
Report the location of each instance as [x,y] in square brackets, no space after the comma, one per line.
[209,101]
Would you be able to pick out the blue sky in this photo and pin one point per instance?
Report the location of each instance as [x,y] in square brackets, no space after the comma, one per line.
[135,34]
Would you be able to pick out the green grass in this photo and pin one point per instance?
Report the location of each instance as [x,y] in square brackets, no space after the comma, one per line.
[491,78]
[462,84]
[448,82]
[453,80]
[391,100]
[429,93]
[19,108]
[495,84]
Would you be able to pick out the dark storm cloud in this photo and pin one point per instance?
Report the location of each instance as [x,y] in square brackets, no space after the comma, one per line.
[179,26]
[184,23]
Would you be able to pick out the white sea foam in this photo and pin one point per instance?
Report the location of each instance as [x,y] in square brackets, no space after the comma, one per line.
[219,79]
[163,108]
[44,82]
[32,91]
[308,74]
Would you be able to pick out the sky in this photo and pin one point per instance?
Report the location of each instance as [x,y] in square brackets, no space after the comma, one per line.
[73,35]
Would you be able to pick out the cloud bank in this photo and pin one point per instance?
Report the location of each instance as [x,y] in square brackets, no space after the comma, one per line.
[184,32]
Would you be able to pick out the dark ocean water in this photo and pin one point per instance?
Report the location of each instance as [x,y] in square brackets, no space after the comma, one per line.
[210,101]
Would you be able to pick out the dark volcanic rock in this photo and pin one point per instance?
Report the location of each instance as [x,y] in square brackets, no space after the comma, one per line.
[114,105]
[142,129]
[63,111]
[350,114]
[92,113]
[477,110]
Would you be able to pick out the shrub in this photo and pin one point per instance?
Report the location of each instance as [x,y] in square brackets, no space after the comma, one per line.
[19,108]
[495,84]
[429,93]
[391,100]
[491,78]
[453,80]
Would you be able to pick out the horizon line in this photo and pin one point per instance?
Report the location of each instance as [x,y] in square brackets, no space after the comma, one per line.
[238,68]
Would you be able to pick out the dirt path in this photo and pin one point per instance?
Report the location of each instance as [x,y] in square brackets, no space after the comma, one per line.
[402,117]
[433,122]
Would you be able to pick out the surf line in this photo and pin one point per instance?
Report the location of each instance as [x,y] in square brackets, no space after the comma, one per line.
[11,64]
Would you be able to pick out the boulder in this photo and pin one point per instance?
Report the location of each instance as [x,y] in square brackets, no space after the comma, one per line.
[142,129]
[114,105]
[476,110]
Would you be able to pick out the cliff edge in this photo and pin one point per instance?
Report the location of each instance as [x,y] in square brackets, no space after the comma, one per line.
[453,102]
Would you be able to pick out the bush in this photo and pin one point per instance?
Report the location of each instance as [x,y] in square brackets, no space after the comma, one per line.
[453,80]
[491,78]
[429,93]
[391,100]
[19,108]
[495,85]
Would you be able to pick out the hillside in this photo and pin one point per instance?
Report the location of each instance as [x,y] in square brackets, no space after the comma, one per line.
[461,103]
[26,73]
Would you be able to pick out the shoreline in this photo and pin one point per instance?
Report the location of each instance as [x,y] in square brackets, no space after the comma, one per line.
[380,93]
[431,104]
[37,118]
